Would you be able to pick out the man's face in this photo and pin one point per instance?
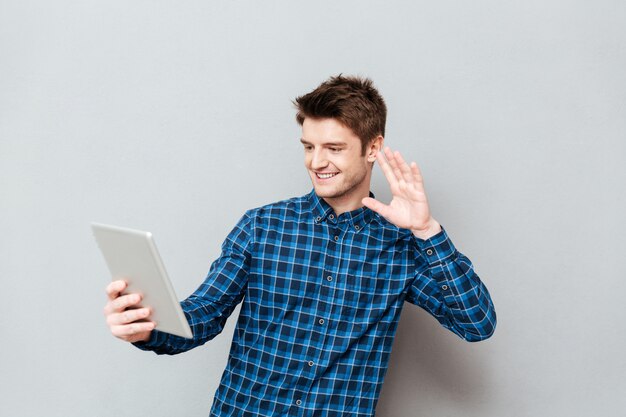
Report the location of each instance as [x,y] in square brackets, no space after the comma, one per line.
[333,156]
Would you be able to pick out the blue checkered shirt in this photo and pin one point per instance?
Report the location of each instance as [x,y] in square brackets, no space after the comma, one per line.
[322,296]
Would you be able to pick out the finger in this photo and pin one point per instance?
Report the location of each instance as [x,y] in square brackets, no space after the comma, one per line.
[115,288]
[122,303]
[393,163]
[403,167]
[417,175]
[376,206]
[128,316]
[387,170]
[132,329]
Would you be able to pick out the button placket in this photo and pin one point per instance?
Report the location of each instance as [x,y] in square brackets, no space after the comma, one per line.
[335,234]
[332,269]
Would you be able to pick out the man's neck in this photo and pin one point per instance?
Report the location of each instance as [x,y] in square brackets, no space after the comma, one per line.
[347,203]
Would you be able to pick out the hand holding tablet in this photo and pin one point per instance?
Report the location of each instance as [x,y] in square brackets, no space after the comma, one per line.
[126,319]
[141,297]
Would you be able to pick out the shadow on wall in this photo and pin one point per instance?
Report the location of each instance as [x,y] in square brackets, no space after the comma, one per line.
[433,370]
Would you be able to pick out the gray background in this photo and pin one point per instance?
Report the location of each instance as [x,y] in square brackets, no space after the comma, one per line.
[175,117]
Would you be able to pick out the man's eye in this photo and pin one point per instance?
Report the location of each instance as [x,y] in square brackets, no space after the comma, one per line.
[335,149]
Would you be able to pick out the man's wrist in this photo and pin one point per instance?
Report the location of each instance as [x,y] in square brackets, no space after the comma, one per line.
[431,230]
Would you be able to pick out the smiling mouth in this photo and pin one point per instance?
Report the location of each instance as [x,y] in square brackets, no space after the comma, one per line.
[325,175]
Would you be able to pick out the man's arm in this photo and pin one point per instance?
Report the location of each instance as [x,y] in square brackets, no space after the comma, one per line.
[446,284]
[206,310]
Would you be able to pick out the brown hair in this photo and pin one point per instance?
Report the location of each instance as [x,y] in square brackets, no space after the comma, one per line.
[351,100]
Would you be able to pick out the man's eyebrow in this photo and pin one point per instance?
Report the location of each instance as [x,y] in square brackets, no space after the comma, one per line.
[336,144]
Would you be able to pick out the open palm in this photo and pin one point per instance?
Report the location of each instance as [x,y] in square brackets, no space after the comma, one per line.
[408,208]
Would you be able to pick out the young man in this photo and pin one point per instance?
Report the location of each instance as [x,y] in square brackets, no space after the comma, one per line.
[323,277]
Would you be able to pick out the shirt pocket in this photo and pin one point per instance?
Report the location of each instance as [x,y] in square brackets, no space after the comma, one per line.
[373,291]
[368,300]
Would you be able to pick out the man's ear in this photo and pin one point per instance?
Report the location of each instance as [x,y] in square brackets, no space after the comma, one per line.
[375,146]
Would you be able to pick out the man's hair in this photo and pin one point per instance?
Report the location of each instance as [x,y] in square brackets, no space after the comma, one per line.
[352,101]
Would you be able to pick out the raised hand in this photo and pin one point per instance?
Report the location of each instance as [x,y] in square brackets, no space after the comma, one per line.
[408,208]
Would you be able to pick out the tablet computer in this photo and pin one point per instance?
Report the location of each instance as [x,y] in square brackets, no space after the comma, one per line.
[132,256]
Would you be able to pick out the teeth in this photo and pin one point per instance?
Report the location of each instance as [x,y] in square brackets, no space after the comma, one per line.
[326,176]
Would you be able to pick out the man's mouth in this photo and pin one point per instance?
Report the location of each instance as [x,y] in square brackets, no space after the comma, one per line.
[325,175]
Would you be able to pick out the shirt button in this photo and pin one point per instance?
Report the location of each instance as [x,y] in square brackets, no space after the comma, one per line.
[444,287]
[336,238]
[429,252]
[311,363]
[331,216]
[329,278]
[321,321]
[357,227]
[298,402]
[318,218]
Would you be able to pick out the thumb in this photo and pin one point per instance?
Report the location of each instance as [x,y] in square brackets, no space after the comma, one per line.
[376,206]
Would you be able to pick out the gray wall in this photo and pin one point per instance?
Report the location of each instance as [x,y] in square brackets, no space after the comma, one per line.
[176,117]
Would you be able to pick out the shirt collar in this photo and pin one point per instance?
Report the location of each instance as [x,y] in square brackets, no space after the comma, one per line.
[322,211]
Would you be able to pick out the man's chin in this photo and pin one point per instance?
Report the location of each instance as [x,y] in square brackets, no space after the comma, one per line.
[322,192]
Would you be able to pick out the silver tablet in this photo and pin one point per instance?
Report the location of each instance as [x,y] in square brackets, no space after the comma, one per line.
[131,255]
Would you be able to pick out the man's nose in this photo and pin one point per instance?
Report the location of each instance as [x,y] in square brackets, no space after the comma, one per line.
[318,160]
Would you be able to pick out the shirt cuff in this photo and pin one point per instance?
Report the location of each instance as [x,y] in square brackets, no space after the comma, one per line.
[436,249]
[157,338]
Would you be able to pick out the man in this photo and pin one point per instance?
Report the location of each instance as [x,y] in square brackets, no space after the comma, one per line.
[323,277]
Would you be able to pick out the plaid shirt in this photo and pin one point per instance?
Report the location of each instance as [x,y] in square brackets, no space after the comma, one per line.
[322,296]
